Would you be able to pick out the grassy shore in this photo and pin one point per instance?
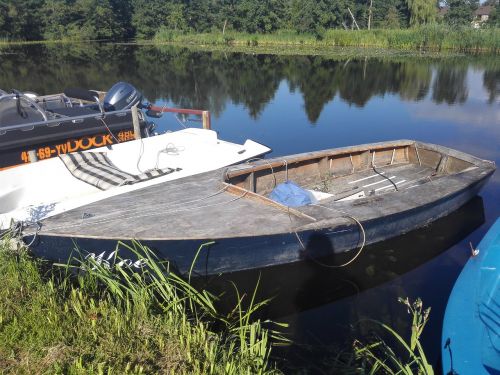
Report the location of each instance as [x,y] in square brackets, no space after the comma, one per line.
[114,321]
[109,320]
[429,38]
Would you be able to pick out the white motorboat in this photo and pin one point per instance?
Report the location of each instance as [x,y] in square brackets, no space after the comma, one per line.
[32,192]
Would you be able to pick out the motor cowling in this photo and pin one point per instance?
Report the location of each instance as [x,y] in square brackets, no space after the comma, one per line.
[121,96]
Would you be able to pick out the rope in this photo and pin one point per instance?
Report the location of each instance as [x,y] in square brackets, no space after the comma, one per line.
[109,130]
[39,226]
[141,152]
[162,212]
[380,174]
[362,230]
[285,164]
[170,149]
[16,230]
[175,116]
[265,161]
[180,122]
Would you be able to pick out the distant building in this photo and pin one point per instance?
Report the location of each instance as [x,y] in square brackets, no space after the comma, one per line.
[481,15]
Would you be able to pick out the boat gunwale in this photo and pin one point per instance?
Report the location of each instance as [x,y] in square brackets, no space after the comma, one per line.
[280,161]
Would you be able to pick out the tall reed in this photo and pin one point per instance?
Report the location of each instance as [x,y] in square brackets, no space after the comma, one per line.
[429,37]
[405,357]
[96,319]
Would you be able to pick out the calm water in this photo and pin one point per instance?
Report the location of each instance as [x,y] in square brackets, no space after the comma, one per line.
[303,103]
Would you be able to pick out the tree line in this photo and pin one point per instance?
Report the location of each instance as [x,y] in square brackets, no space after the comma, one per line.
[125,19]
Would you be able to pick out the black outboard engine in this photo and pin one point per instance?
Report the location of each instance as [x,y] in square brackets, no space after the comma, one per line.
[121,96]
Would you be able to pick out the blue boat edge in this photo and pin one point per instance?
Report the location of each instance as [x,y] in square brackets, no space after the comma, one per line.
[471,327]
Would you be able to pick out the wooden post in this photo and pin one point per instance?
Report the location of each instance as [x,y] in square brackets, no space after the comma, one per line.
[205,116]
[135,122]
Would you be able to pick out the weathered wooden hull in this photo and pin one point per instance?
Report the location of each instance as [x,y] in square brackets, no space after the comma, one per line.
[250,252]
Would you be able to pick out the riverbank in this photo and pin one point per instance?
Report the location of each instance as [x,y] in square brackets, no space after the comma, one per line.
[434,40]
[113,321]
[429,38]
[101,322]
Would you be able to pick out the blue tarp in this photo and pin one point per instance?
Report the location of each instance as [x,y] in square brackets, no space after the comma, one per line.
[290,194]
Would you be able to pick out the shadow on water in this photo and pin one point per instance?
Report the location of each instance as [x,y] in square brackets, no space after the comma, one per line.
[322,304]
[314,282]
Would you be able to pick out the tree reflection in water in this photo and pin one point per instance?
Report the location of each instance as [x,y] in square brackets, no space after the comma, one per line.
[210,80]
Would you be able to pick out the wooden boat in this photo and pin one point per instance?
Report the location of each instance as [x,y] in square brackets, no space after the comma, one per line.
[32,192]
[471,327]
[361,195]
[75,120]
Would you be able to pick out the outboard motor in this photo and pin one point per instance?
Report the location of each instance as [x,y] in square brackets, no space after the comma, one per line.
[121,96]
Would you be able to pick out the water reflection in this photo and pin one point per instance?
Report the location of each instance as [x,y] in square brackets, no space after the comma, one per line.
[305,285]
[449,85]
[324,307]
[213,79]
[491,81]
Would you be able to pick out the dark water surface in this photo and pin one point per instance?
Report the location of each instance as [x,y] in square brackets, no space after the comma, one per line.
[303,103]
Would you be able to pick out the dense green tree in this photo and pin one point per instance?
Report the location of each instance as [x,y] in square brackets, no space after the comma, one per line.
[19,19]
[302,14]
[225,15]
[333,13]
[494,19]
[176,17]
[4,19]
[123,13]
[391,14]
[199,15]
[84,19]
[422,11]
[261,16]
[148,16]
[96,20]
[460,12]
[316,16]
[385,12]
[120,19]
[56,16]
[391,19]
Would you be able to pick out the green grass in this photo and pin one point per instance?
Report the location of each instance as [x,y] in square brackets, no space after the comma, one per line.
[114,321]
[98,319]
[429,38]
[383,350]
[404,356]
